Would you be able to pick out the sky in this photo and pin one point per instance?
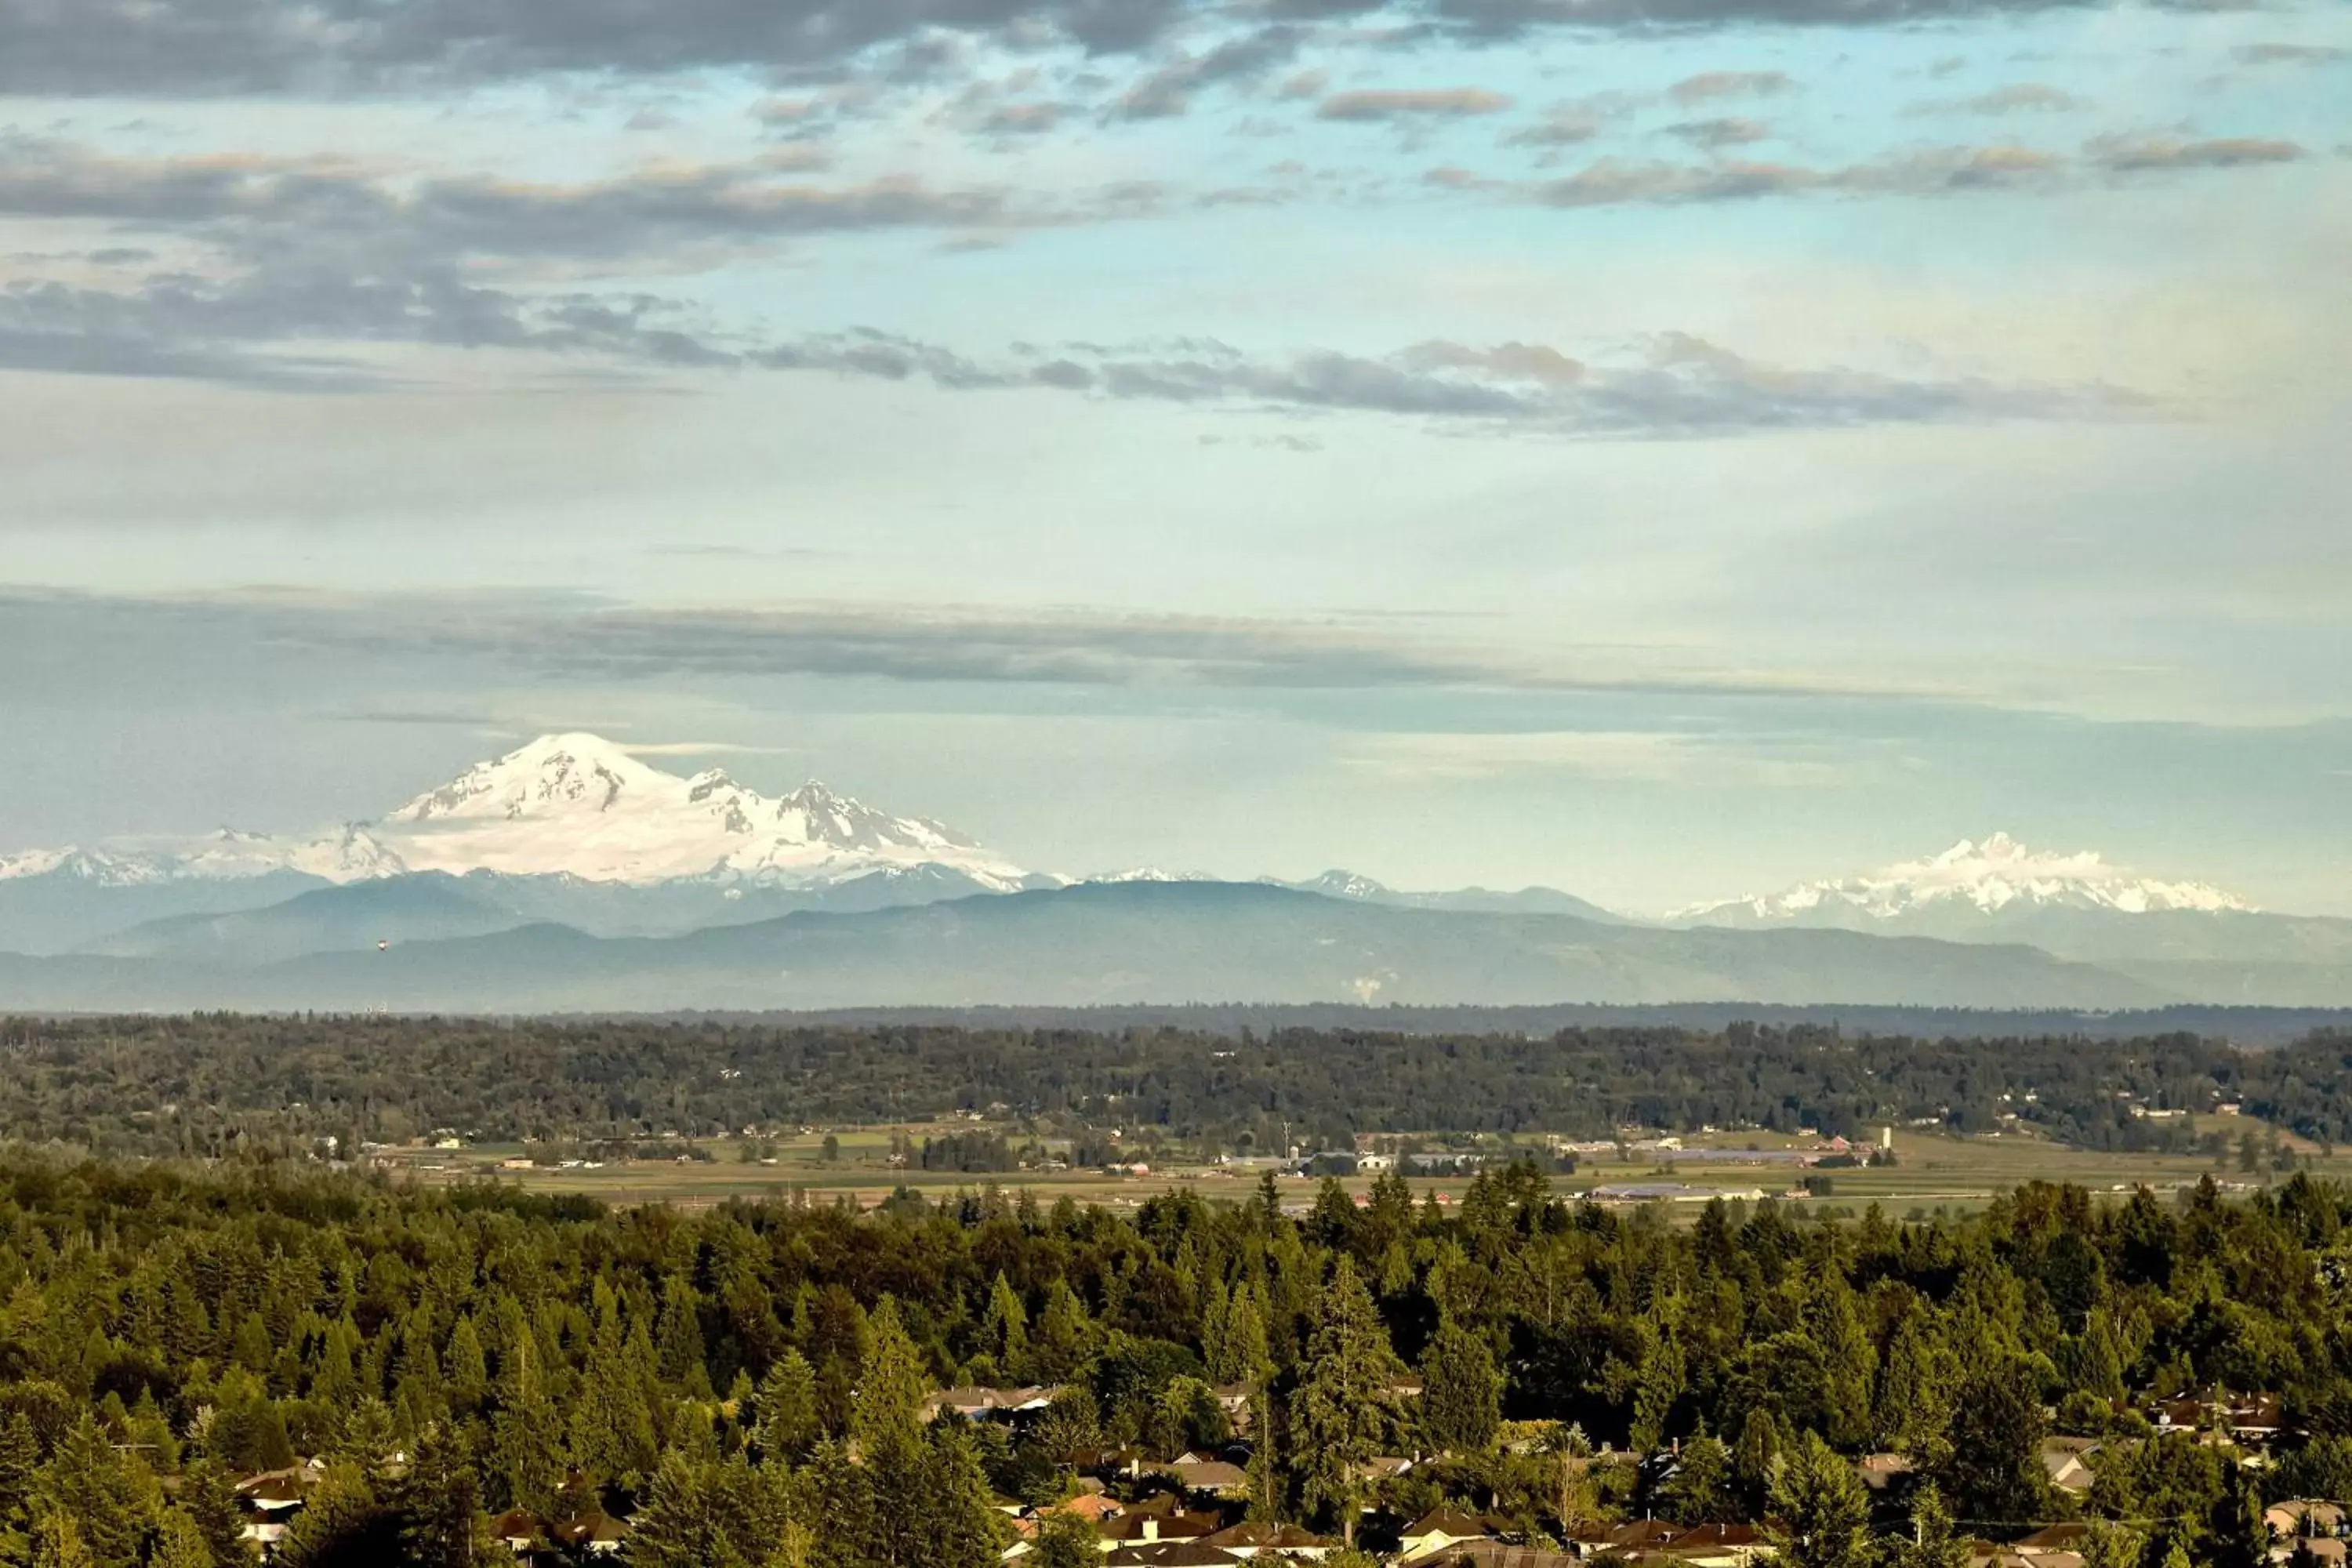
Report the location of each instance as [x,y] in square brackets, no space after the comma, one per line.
[1658,448]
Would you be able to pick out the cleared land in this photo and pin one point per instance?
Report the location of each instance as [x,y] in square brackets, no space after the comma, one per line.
[1933,1170]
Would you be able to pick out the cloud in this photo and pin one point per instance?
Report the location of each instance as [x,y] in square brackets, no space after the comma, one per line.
[2289,54]
[203,48]
[1709,86]
[209,47]
[2020,97]
[1169,91]
[575,641]
[320,203]
[1719,133]
[1413,103]
[1622,181]
[247,331]
[1638,756]
[2144,154]
[1563,127]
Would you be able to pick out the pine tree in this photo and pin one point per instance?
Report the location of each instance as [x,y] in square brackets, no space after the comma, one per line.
[209,1499]
[1821,1509]
[1064,1335]
[1913,1408]
[20,1459]
[2112,1546]
[1700,1490]
[1462,1391]
[340,1524]
[1004,1330]
[57,1543]
[678,1348]
[182,1543]
[612,1429]
[1346,1408]
[1932,1544]
[1993,1468]
[467,1377]
[886,1428]
[1065,1539]
[964,1528]
[111,1505]
[526,1457]
[786,1425]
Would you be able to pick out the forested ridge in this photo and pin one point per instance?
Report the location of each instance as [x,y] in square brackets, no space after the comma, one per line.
[745,1386]
[205,1084]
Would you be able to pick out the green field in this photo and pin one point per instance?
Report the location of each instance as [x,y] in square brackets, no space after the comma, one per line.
[1933,1170]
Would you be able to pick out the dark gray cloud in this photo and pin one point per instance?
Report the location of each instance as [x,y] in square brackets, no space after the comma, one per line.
[1170,89]
[220,47]
[231,46]
[1413,103]
[575,641]
[252,330]
[2158,153]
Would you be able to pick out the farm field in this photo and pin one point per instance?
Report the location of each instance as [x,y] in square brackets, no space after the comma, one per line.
[1933,1170]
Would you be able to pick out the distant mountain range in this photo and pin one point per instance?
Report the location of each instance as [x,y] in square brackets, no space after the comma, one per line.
[569,874]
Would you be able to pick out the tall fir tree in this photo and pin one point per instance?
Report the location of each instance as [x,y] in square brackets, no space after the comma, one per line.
[1461,1390]
[1346,1408]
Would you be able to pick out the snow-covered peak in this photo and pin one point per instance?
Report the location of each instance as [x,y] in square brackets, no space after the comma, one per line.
[580,804]
[574,806]
[1337,884]
[554,777]
[1989,876]
[1151,874]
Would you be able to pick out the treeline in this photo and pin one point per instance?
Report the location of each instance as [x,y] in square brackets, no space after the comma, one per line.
[746,1385]
[208,1084]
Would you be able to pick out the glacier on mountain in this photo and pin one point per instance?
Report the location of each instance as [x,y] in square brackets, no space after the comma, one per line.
[1992,876]
[571,806]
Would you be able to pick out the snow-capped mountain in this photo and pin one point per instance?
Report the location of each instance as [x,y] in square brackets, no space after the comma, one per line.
[1994,876]
[348,853]
[571,806]
[580,806]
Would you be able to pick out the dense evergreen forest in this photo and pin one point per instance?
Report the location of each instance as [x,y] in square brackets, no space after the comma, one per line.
[746,1386]
[205,1085]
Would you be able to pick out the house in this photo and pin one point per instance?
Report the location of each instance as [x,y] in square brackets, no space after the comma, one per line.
[1092,1507]
[1883,1472]
[1641,1535]
[1244,1542]
[1497,1554]
[521,1530]
[1139,1528]
[981,1404]
[2254,1420]
[1440,1528]
[2305,1517]
[1719,1546]
[2067,1461]
[1203,1477]
[1174,1555]
[596,1533]
[268,1503]
[2053,1542]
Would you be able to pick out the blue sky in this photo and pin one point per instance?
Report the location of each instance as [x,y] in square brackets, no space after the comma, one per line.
[1662,449]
